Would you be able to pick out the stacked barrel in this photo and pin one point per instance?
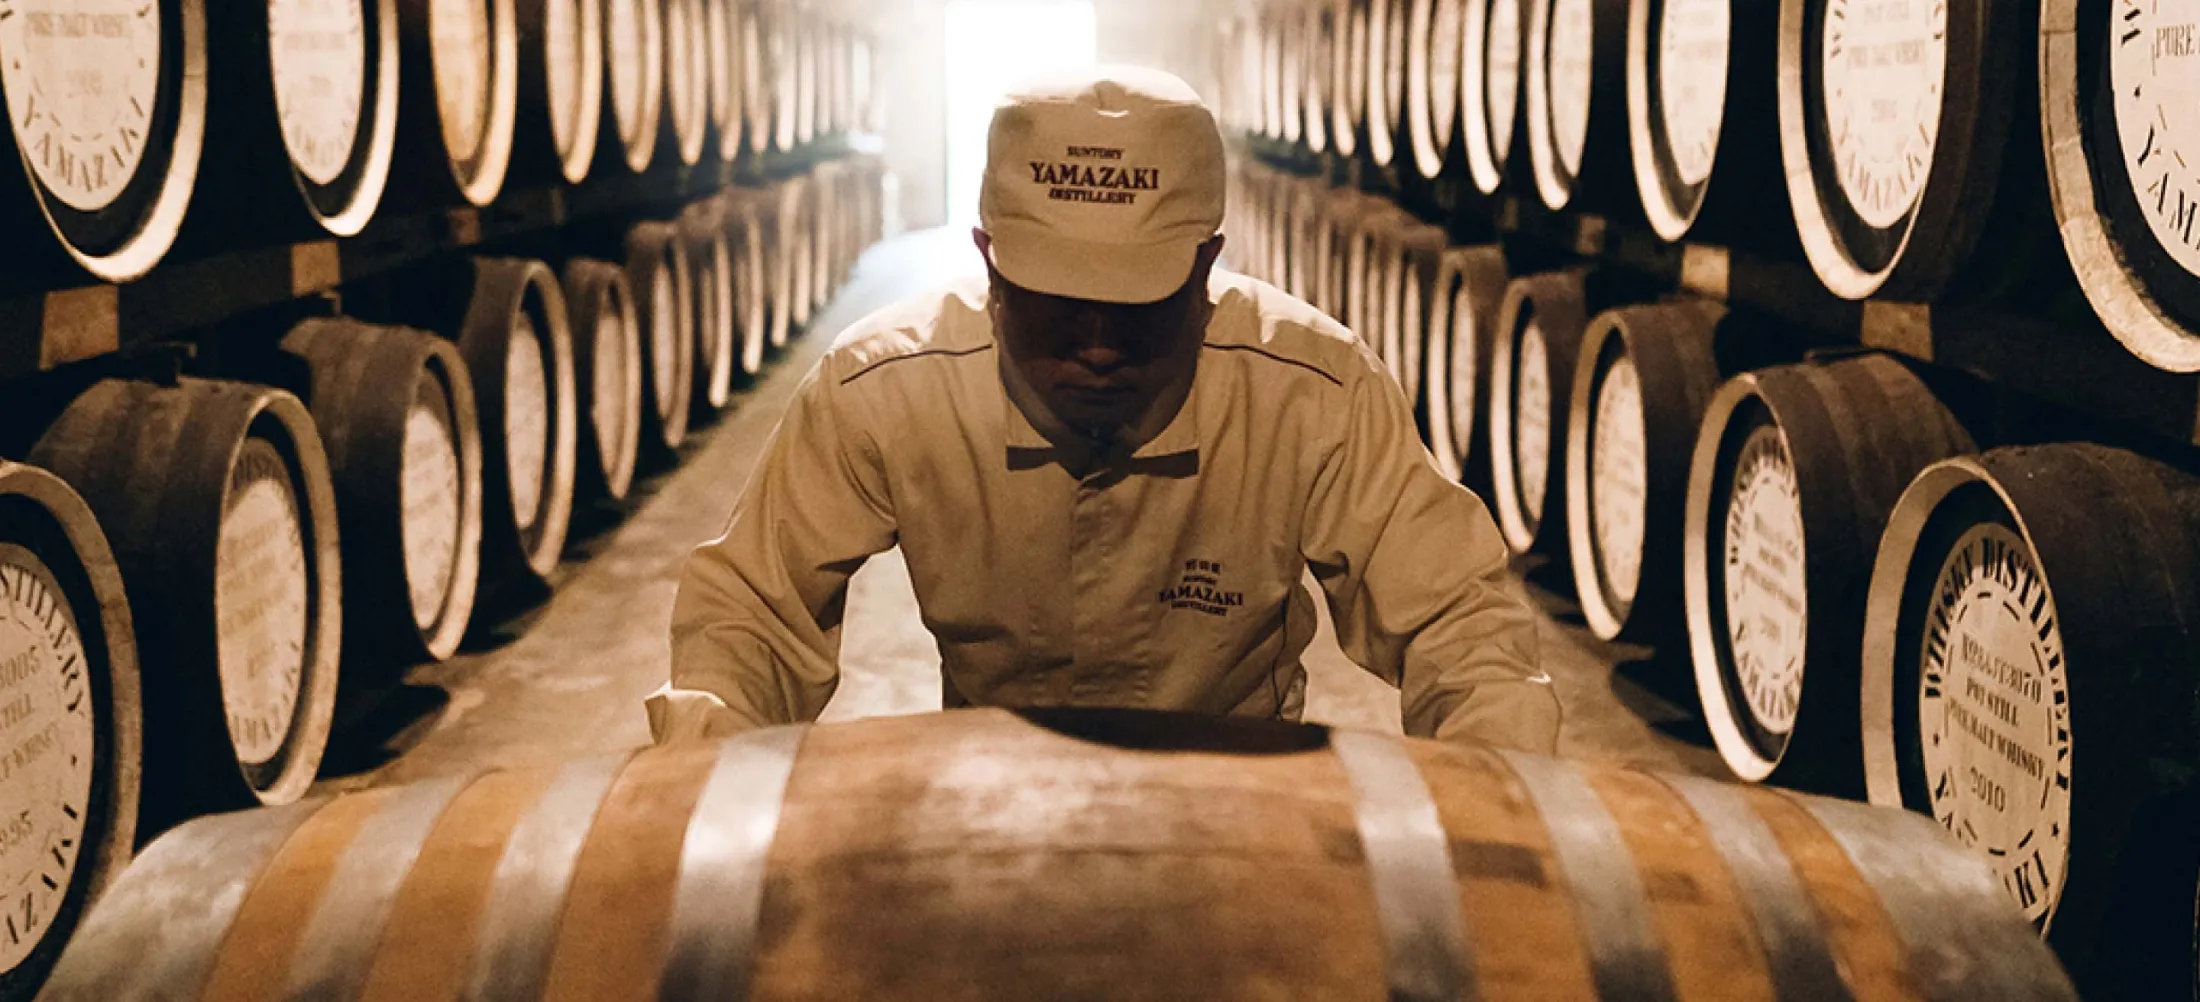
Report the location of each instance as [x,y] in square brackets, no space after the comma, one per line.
[219,551]
[1883,584]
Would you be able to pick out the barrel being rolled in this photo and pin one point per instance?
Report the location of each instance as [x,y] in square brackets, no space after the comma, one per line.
[217,500]
[1434,35]
[2029,683]
[1794,472]
[1538,338]
[2121,114]
[458,81]
[517,342]
[395,408]
[1489,89]
[660,270]
[70,721]
[108,125]
[1104,854]
[1639,393]
[1469,292]
[607,375]
[634,60]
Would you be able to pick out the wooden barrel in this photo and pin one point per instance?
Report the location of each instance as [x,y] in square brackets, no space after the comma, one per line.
[1306,230]
[866,76]
[107,107]
[1638,396]
[217,501]
[331,72]
[758,77]
[1703,119]
[1268,111]
[686,129]
[661,274]
[1361,295]
[2117,113]
[634,60]
[395,409]
[819,209]
[1384,284]
[803,22]
[72,720]
[1291,44]
[1214,859]
[458,84]
[1533,350]
[561,73]
[711,297]
[1419,256]
[518,342]
[797,257]
[1317,29]
[751,278]
[1467,297]
[1894,151]
[1386,79]
[1489,89]
[607,375]
[2029,682]
[782,46]
[1576,89]
[1348,76]
[1434,35]
[720,32]
[1794,471]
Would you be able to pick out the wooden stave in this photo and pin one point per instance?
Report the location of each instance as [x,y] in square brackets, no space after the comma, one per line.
[515,556]
[355,370]
[1291,73]
[1605,183]
[746,232]
[795,257]
[1386,49]
[822,206]
[1268,111]
[711,293]
[2119,925]
[1430,133]
[1348,76]
[1306,257]
[1489,169]
[48,518]
[128,237]
[424,174]
[782,47]
[791,890]
[1841,526]
[1960,187]
[1317,42]
[653,248]
[168,571]
[1670,346]
[1564,298]
[1743,202]
[805,27]
[536,154]
[685,131]
[635,143]
[758,79]
[722,29]
[1472,280]
[605,463]
[1421,250]
[2141,298]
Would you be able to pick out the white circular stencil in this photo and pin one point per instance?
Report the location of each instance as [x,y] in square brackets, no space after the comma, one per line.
[1464,367]
[2154,69]
[82,78]
[318,52]
[1618,479]
[561,58]
[607,390]
[526,419]
[46,737]
[1572,70]
[623,28]
[1885,66]
[1501,79]
[664,335]
[458,32]
[1693,36]
[1766,591]
[1443,67]
[431,494]
[1993,714]
[1532,420]
[262,587]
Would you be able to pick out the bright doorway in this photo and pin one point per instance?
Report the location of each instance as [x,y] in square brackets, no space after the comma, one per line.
[991,46]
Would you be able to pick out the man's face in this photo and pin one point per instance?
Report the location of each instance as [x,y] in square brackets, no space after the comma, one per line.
[1100,366]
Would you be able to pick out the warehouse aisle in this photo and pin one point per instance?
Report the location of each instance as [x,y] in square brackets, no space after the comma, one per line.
[567,679]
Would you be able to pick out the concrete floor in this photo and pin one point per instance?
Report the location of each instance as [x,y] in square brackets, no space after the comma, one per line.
[567,679]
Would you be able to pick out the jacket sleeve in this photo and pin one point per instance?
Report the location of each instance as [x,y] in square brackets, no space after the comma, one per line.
[756,624]
[1415,574]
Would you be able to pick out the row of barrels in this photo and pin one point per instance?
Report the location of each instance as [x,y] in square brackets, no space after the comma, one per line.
[1874,602]
[1978,151]
[201,572]
[819,861]
[322,113]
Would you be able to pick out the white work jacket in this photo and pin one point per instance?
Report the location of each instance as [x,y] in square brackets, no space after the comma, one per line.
[1051,575]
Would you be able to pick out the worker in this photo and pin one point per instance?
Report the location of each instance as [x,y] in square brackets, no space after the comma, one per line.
[1109,466]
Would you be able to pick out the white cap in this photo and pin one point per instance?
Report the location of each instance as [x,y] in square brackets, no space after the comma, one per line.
[1102,183]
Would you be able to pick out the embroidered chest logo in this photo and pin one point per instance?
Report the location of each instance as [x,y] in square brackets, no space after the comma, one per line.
[1200,590]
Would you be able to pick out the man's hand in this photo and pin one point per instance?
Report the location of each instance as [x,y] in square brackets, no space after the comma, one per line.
[690,715]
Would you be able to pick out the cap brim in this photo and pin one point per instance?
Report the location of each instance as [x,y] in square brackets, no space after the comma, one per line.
[1047,262]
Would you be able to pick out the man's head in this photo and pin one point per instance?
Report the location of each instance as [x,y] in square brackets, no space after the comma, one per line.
[1103,193]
